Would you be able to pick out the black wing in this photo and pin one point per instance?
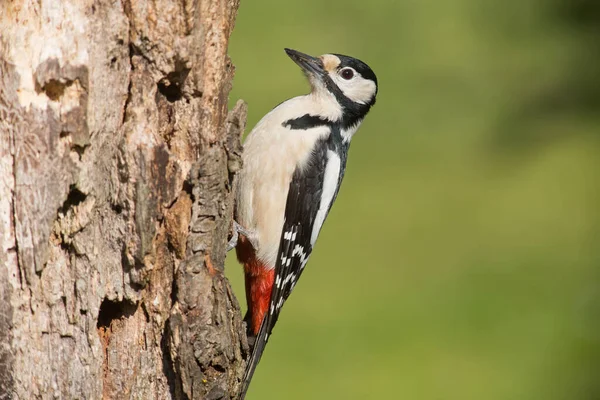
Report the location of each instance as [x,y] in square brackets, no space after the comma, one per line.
[302,205]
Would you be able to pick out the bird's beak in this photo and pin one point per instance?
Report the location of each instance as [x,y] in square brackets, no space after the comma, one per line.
[310,65]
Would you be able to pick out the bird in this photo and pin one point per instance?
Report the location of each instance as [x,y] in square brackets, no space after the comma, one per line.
[293,164]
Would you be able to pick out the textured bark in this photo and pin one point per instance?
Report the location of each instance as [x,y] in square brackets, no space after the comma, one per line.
[117,160]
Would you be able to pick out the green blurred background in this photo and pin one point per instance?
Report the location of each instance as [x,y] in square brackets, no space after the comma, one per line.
[461,259]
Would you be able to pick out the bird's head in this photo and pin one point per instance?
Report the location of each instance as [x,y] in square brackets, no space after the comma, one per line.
[349,80]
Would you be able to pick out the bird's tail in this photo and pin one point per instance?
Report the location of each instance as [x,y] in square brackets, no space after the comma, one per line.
[259,282]
[257,351]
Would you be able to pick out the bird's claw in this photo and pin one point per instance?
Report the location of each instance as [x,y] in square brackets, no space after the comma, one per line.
[234,238]
[237,230]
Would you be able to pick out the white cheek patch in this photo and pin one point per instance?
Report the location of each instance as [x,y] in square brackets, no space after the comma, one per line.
[359,90]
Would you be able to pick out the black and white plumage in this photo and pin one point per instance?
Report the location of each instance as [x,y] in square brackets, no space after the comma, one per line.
[294,162]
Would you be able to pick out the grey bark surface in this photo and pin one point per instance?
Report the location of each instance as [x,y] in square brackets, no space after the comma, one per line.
[117,161]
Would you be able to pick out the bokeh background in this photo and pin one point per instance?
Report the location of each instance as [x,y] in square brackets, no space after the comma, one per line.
[462,257]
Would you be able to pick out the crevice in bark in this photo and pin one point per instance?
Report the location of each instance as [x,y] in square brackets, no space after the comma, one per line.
[129,77]
[128,99]
[173,292]
[21,274]
[167,366]
[13,210]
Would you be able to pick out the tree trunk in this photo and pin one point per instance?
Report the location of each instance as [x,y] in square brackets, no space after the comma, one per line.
[117,160]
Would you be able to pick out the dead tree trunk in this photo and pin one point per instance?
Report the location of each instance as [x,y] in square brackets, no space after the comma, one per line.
[117,157]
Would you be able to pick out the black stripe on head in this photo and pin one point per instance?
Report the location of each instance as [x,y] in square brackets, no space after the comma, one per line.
[353,112]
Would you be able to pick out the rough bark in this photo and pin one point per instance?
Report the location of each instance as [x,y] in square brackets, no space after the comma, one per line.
[117,156]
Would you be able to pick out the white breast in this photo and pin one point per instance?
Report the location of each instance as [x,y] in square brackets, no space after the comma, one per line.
[271,154]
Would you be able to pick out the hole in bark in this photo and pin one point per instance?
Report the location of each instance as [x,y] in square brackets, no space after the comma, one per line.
[219,368]
[114,310]
[54,89]
[66,247]
[171,85]
[170,90]
[79,150]
[117,208]
[74,198]
[188,188]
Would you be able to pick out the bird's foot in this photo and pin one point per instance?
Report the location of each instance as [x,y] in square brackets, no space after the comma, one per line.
[237,230]
[235,237]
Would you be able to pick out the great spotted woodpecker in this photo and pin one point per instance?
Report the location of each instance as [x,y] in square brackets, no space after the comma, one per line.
[293,164]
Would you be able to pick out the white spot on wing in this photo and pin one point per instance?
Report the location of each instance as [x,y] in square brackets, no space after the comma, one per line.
[299,250]
[290,277]
[303,264]
[330,183]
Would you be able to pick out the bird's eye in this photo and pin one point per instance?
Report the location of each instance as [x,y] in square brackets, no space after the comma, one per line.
[347,73]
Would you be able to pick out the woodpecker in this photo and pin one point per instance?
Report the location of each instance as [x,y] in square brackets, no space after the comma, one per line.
[293,164]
